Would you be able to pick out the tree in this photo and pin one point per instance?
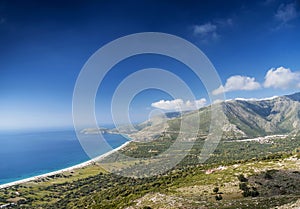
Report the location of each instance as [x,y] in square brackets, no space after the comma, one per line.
[218,197]
[216,190]
[268,175]
[243,186]
[254,193]
[242,178]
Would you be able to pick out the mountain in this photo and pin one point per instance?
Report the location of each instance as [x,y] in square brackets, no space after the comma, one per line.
[149,129]
[264,117]
[243,119]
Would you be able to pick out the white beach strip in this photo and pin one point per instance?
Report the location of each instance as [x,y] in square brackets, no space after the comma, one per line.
[81,165]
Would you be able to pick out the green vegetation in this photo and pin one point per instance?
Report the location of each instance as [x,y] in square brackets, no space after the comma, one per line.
[252,175]
[216,190]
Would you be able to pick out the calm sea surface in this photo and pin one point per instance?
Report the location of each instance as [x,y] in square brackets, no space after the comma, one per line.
[24,155]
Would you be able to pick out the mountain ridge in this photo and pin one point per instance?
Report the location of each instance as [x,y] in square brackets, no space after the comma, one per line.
[243,119]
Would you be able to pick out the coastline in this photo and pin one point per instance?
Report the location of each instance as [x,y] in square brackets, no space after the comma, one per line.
[71,168]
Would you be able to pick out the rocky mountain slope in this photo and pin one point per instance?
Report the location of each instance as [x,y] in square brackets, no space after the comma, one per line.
[264,117]
[243,119]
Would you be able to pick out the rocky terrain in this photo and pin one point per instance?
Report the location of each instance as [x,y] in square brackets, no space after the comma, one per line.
[243,119]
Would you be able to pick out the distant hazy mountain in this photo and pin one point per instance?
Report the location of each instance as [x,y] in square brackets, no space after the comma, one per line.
[243,119]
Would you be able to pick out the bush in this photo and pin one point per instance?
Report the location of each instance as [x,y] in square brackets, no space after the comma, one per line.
[243,186]
[254,193]
[216,190]
[247,192]
[218,197]
[268,175]
[242,178]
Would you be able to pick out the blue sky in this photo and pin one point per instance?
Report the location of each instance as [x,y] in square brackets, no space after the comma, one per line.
[254,46]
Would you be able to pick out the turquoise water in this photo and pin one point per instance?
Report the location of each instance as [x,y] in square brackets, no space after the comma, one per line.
[24,155]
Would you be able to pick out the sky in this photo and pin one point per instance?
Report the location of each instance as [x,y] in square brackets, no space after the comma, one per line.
[253,45]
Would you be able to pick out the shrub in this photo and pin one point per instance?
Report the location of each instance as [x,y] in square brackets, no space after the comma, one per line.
[242,178]
[216,190]
[243,186]
[268,175]
[218,197]
[254,193]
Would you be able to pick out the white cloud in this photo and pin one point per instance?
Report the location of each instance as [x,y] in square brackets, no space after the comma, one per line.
[210,31]
[281,78]
[219,90]
[237,82]
[206,31]
[286,12]
[179,104]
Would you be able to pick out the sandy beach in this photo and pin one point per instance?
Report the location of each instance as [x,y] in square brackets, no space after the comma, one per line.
[81,165]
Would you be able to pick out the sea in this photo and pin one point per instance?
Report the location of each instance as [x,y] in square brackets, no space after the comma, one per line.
[28,154]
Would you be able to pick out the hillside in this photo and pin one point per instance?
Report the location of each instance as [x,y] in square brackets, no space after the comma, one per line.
[252,173]
[243,119]
[239,175]
[264,117]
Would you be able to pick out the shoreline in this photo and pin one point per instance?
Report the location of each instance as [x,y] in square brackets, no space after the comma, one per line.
[71,168]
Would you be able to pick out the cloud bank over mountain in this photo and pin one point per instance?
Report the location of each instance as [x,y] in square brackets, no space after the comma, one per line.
[179,104]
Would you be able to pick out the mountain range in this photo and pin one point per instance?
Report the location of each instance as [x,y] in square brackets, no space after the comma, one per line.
[244,118]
